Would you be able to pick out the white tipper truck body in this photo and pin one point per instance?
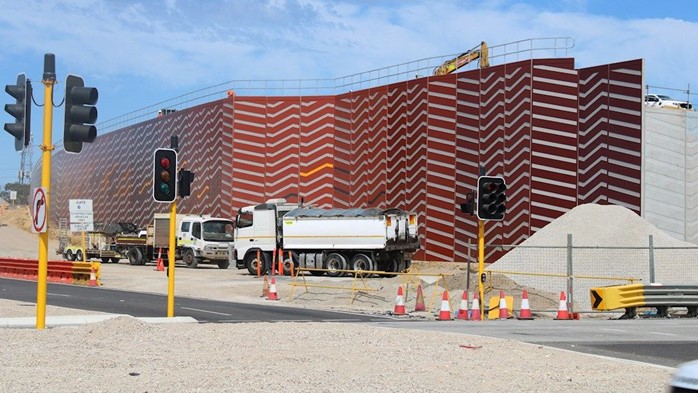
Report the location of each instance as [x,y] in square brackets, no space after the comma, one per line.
[332,239]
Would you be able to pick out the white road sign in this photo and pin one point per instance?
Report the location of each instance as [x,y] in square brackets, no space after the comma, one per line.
[86,227]
[80,205]
[81,217]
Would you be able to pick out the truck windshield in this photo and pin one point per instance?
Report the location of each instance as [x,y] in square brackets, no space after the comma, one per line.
[218,231]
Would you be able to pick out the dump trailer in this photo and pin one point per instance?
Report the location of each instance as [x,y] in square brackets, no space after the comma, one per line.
[199,239]
[332,239]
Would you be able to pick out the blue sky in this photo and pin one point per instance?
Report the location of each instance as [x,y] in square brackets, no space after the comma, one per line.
[140,53]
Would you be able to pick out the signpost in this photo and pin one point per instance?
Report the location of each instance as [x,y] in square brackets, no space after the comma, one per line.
[81,217]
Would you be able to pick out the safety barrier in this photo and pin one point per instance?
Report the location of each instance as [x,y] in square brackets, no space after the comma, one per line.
[359,283]
[631,297]
[66,272]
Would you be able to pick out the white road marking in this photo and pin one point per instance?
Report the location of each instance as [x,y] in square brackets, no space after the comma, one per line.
[58,294]
[210,312]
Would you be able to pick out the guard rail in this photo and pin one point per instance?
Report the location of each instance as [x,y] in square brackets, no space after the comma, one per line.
[66,272]
[634,296]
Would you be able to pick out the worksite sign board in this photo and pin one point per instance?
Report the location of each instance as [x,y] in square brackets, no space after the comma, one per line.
[81,217]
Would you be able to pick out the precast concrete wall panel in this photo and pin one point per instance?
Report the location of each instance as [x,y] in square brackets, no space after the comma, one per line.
[517,151]
[377,147]
[249,151]
[396,165]
[417,115]
[342,152]
[360,148]
[467,159]
[317,147]
[441,168]
[593,136]
[282,146]
[226,198]
[553,141]
[625,134]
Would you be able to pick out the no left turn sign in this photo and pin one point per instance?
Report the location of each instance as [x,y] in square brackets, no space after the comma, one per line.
[39,211]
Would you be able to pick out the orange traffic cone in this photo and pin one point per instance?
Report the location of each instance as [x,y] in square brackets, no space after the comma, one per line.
[562,312]
[445,312]
[419,305]
[475,308]
[160,263]
[525,312]
[503,310]
[463,310]
[93,277]
[272,290]
[265,287]
[399,303]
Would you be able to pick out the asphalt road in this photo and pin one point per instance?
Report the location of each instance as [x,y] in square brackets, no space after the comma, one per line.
[139,304]
[665,342]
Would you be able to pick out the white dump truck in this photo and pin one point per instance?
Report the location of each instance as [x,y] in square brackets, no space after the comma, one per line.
[332,239]
[199,239]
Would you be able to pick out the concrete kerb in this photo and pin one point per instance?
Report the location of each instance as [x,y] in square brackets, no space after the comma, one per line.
[76,320]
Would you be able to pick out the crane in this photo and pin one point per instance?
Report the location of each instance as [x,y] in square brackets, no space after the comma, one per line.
[464,58]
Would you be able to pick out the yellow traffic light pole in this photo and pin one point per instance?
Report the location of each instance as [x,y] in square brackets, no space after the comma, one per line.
[171,260]
[481,265]
[46,149]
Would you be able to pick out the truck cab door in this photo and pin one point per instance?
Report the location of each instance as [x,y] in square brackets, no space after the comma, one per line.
[185,233]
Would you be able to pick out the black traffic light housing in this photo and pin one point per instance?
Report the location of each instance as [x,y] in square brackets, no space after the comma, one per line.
[184,183]
[20,110]
[469,205]
[80,114]
[491,198]
[165,175]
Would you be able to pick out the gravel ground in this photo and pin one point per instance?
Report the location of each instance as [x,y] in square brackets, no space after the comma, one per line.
[127,355]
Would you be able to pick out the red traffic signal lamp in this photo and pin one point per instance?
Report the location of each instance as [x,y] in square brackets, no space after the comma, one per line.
[165,175]
[491,198]
[20,110]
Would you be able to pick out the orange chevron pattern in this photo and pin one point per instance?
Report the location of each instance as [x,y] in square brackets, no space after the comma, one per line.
[558,135]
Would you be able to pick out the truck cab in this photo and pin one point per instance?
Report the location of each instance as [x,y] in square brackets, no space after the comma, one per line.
[202,239]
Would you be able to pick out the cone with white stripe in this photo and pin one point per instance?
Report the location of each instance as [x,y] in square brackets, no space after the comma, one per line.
[272,290]
[399,303]
[463,310]
[562,313]
[445,312]
[525,311]
[503,310]
[475,308]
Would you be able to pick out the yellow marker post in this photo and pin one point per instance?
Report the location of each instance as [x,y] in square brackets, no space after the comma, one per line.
[481,265]
[171,260]
[46,149]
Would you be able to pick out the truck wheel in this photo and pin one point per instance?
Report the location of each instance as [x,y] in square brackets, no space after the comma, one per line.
[335,262]
[78,256]
[190,259]
[114,260]
[135,256]
[105,260]
[251,263]
[69,255]
[224,264]
[361,262]
[290,263]
[392,266]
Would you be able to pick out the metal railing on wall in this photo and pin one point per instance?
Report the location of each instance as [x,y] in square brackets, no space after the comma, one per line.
[498,54]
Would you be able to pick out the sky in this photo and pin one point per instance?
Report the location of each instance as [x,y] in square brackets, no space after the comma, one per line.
[140,53]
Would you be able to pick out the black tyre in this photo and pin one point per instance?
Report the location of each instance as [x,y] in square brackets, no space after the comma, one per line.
[78,255]
[224,264]
[392,266]
[334,263]
[69,255]
[361,262]
[114,260]
[190,259]
[290,264]
[251,263]
[135,256]
[105,260]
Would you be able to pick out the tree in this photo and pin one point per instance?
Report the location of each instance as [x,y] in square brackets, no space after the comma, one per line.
[22,193]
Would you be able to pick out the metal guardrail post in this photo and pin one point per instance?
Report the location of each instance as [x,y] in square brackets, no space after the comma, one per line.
[651,252]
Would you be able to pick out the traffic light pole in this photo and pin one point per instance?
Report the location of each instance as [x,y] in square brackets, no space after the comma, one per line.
[46,149]
[171,260]
[481,265]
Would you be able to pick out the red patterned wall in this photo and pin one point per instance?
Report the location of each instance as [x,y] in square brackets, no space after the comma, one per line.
[558,135]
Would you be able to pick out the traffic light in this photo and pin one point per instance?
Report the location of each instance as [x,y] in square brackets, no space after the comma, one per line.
[491,198]
[469,205]
[80,114]
[21,111]
[165,175]
[184,183]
